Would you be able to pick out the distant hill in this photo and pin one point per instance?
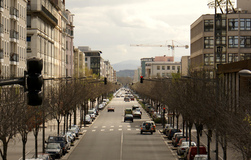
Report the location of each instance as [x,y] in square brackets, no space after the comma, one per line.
[126,65]
[125,73]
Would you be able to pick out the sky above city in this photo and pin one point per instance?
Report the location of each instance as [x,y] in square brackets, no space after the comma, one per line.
[113,25]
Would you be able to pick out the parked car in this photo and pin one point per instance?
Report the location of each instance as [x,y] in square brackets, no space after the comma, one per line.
[183,147]
[72,138]
[177,140]
[75,129]
[43,156]
[92,113]
[201,157]
[192,151]
[54,149]
[167,127]
[146,127]
[171,133]
[128,117]
[175,135]
[101,106]
[110,109]
[88,119]
[61,140]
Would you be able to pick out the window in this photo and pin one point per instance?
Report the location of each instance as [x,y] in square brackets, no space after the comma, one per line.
[178,68]
[208,42]
[233,24]
[28,21]
[232,41]
[221,58]
[173,67]
[163,74]
[220,40]
[245,56]
[163,67]
[168,68]
[245,41]
[208,59]
[245,24]
[208,25]
[158,67]
[232,57]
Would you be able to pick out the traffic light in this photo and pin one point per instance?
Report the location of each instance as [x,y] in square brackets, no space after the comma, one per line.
[164,110]
[141,79]
[105,80]
[34,81]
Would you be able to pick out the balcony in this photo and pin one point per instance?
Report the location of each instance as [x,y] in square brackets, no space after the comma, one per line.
[14,36]
[14,59]
[49,16]
[14,13]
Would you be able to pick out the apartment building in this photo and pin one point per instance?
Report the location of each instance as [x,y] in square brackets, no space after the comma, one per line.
[12,38]
[48,26]
[79,63]
[143,65]
[221,38]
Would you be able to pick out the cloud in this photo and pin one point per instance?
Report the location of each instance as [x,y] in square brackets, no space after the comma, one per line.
[112,25]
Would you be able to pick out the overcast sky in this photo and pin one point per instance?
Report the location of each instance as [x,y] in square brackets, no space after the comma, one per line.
[112,25]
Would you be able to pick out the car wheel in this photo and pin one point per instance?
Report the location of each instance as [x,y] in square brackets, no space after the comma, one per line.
[151,132]
[141,132]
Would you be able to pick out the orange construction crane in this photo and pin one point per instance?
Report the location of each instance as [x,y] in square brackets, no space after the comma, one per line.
[171,46]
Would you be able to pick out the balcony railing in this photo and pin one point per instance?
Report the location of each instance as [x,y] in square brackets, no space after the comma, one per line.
[14,12]
[53,18]
[14,34]
[1,53]
[14,57]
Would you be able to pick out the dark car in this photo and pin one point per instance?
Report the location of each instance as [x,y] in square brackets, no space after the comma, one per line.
[59,139]
[127,99]
[54,150]
[171,133]
[128,117]
[192,151]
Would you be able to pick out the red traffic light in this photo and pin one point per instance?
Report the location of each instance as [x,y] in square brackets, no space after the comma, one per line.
[141,79]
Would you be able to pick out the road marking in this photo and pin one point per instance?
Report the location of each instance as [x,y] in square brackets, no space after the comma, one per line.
[102,130]
[121,146]
[120,129]
[84,131]
[93,130]
[129,129]
[103,126]
[120,125]
[129,126]
[95,126]
[136,126]
[112,126]
[137,129]
[111,129]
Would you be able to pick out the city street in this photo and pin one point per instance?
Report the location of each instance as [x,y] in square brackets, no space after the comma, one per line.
[109,137]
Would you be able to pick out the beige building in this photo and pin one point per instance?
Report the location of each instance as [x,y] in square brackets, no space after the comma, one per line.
[79,63]
[13,38]
[185,64]
[162,69]
[227,41]
[46,37]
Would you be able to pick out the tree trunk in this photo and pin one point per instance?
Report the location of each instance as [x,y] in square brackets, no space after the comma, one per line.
[58,125]
[24,140]
[5,147]
[75,116]
[35,132]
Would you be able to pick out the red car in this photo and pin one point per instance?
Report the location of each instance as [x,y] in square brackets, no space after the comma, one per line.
[192,151]
[110,109]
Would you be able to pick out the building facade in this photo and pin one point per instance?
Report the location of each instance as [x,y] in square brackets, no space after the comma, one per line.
[185,64]
[221,38]
[79,63]
[12,38]
[46,35]
[162,69]
[143,65]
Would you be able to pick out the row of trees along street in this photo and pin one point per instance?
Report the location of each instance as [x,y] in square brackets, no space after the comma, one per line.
[203,102]
[61,98]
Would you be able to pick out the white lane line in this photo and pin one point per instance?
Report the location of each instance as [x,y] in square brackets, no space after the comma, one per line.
[129,129]
[102,130]
[120,129]
[129,126]
[121,146]
[103,126]
[120,125]
[111,129]
[112,126]
[95,126]
[93,130]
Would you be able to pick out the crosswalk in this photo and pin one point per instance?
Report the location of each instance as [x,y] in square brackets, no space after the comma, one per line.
[113,128]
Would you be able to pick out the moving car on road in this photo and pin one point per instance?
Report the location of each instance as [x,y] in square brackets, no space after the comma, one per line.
[146,127]
[110,109]
[128,117]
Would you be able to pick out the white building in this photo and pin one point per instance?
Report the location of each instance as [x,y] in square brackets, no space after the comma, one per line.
[12,38]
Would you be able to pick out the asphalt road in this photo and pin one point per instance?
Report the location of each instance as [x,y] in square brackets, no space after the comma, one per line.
[110,138]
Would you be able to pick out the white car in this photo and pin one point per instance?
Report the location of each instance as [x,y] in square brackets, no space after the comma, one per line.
[101,106]
[184,145]
[92,113]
